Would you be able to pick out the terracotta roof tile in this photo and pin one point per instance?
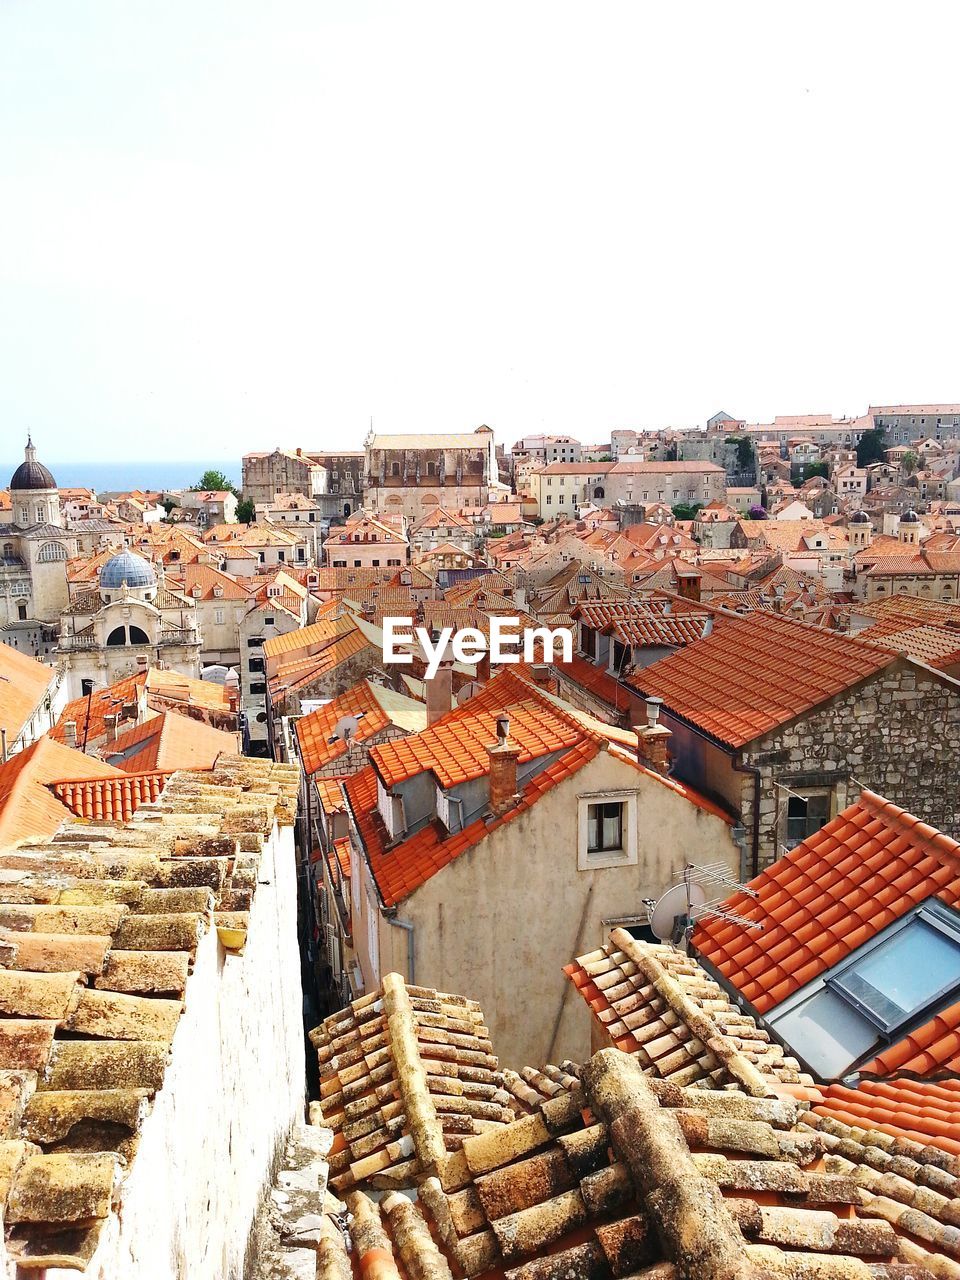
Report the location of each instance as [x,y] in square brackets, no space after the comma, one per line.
[820,901]
[113,799]
[792,669]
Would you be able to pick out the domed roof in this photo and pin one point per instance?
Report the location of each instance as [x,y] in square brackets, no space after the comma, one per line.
[129,568]
[32,474]
[910,517]
[859,517]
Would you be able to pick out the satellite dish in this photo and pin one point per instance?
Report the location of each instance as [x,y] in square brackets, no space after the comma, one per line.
[469,690]
[681,900]
[346,728]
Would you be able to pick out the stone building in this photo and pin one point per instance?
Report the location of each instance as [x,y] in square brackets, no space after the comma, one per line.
[786,737]
[408,474]
[335,480]
[128,622]
[34,547]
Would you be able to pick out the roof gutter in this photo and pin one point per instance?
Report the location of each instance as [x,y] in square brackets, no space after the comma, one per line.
[409,929]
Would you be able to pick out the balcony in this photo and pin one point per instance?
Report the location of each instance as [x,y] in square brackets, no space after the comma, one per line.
[74,644]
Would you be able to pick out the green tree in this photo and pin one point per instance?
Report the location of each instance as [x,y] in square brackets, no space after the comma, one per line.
[746,459]
[246,512]
[168,504]
[871,447]
[215,481]
[684,511]
[909,462]
[813,469]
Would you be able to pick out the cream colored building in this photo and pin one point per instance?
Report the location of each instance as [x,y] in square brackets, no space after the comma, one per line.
[532,887]
[128,622]
[34,547]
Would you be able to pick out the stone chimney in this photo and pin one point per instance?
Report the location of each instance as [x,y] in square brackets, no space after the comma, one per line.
[142,662]
[439,691]
[652,739]
[503,769]
[540,672]
[778,598]
[70,733]
[110,721]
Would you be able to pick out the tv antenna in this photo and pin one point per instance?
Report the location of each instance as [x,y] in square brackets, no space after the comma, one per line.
[345,728]
[676,912]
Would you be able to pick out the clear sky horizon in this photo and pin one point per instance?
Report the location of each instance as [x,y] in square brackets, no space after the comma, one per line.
[230,226]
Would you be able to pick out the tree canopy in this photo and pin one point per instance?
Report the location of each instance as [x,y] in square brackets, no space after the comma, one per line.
[871,446]
[246,512]
[215,481]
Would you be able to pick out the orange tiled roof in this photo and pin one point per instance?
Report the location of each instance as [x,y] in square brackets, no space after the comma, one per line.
[838,888]
[23,683]
[301,671]
[307,639]
[925,1111]
[102,702]
[341,851]
[28,807]
[167,742]
[792,668]
[109,799]
[330,795]
[315,730]
[405,867]
[930,1049]
[455,748]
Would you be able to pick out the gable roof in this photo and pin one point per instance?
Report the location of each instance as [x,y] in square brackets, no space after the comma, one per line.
[792,668]
[866,868]
[169,741]
[28,807]
[378,707]
[89,713]
[23,683]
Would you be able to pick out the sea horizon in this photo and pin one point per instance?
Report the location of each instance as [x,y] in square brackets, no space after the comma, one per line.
[147,474]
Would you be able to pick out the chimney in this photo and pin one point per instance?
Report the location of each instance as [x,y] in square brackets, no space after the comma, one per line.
[70,733]
[688,586]
[439,691]
[541,675]
[652,739]
[142,662]
[778,598]
[129,712]
[111,725]
[503,769]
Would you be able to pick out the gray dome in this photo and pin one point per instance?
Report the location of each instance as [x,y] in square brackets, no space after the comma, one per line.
[859,517]
[910,517]
[32,474]
[127,568]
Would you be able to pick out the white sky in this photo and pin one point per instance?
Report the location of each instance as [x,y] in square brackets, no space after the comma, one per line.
[233,225]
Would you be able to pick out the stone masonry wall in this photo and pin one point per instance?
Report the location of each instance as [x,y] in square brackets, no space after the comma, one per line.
[898,735]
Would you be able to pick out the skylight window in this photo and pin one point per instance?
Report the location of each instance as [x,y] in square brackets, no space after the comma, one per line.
[897,981]
[915,967]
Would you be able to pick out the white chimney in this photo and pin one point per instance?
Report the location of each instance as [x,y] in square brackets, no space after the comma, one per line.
[70,732]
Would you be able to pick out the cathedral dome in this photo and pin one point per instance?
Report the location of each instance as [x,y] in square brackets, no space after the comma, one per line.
[31,474]
[910,517]
[860,517]
[129,568]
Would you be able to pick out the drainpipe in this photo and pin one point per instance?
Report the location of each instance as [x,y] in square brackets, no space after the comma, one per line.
[408,927]
[739,767]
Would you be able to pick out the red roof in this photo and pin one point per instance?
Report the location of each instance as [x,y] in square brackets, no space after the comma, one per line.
[109,799]
[756,673]
[102,702]
[867,867]
[411,864]
[926,1111]
[455,748]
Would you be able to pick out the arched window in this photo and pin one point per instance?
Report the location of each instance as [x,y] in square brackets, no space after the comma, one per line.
[52,551]
[598,492]
[117,636]
[138,636]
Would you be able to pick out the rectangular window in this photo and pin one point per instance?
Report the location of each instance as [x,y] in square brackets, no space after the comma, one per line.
[258,687]
[915,968]
[218,617]
[605,827]
[256,664]
[805,816]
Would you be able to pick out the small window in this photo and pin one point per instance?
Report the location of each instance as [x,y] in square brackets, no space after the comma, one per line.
[268,622]
[605,827]
[258,687]
[805,816]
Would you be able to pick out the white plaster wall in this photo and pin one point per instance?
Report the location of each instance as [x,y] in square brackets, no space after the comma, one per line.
[233,1090]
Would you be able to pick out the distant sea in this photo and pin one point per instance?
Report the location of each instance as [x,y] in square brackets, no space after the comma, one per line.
[112,477]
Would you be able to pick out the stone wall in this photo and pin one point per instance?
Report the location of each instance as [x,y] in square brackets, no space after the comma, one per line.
[232,1093]
[898,735]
